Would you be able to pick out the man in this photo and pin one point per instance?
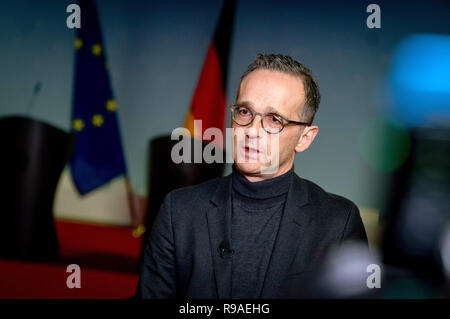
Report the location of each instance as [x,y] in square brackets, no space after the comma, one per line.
[257,232]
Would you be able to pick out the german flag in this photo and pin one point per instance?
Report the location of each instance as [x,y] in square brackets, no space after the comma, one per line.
[209,101]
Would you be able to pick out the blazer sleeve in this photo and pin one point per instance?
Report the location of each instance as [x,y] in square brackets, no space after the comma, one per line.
[157,278]
[354,227]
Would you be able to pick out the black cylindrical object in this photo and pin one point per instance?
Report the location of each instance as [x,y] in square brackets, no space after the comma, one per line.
[33,156]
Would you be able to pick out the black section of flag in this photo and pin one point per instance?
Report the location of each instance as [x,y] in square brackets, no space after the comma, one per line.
[222,37]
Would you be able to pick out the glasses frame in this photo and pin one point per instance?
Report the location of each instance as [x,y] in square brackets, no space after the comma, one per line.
[285,122]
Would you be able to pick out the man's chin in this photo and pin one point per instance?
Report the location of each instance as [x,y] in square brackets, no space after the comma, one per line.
[249,168]
[255,169]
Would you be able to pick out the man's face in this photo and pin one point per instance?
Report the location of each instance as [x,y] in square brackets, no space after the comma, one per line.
[268,91]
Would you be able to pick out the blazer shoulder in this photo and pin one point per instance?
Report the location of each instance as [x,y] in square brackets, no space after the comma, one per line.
[340,215]
[332,202]
[197,193]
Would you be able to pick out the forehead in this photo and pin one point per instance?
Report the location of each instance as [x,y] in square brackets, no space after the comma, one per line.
[266,89]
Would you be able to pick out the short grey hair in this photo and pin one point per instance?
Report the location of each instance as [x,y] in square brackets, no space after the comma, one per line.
[285,64]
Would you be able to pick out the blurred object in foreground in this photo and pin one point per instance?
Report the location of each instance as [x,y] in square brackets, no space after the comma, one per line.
[420,81]
[384,144]
[353,271]
[350,270]
[419,207]
[415,246]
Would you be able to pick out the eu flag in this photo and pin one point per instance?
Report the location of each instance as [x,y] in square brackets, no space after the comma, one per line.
[98,155]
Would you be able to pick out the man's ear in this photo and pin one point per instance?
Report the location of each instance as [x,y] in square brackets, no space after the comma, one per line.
[306,138]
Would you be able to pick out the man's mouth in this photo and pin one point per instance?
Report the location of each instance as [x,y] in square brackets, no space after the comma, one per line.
[251,150]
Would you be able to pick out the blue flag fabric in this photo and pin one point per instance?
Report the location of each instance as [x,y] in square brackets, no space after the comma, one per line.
[98,155]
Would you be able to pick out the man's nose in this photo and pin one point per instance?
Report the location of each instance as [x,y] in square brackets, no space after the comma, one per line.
[254,129]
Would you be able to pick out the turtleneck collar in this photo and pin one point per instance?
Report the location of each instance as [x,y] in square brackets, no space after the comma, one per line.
[266,189]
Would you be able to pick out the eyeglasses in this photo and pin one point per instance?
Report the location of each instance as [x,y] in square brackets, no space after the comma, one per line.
[272,123]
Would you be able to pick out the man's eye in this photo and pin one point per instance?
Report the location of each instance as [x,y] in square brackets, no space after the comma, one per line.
[275,119]
[244,112]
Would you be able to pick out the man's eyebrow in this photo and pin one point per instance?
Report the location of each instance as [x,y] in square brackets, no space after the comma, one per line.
[244,103]
[271,109]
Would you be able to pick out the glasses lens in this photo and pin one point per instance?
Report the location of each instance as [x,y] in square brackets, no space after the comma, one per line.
[242,115]
[272,123]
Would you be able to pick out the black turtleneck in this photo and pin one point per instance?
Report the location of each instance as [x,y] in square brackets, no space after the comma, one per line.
[257,209]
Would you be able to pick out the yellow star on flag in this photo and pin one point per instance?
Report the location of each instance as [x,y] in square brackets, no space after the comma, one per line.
[111,105]
[138,231]
[97,120]
[97,49]
[78,43]
[78,124]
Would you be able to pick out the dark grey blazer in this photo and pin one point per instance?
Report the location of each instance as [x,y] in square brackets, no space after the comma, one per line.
[182,257]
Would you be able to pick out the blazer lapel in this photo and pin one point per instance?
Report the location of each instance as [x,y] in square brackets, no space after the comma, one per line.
[218,215]
[292,226]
